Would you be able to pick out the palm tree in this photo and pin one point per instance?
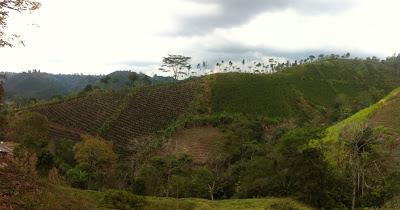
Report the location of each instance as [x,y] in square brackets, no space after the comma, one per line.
[218,66]
[311,58]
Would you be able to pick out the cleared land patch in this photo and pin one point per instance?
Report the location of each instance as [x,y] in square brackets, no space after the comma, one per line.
[201,143]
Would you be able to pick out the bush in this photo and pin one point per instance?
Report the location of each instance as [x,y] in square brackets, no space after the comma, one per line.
[77,178]
[122,200]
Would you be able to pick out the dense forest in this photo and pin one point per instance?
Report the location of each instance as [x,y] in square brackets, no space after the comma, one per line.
[32,86]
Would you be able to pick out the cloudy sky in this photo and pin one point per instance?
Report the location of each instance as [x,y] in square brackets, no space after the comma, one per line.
[98,36]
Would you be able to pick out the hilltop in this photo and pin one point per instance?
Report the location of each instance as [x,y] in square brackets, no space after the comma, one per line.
[35,85]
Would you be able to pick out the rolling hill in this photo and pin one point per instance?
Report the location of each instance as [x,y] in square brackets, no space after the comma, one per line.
[319,93]
[37,85]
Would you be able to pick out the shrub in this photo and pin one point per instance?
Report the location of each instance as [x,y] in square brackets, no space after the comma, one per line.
[77,178]
[122,200]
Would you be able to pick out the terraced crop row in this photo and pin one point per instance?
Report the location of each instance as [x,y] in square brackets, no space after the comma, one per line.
[127,120]
[57,132]
[150,110]
[87,114]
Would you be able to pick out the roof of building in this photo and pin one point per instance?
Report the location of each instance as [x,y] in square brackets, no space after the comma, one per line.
[4,148]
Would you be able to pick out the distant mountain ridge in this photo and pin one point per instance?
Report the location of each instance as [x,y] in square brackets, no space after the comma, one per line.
[44,86]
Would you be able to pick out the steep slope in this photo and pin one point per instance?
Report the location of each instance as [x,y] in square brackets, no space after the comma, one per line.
[150,110]
[122,117]
[382,116]
[88,114]
[308,92]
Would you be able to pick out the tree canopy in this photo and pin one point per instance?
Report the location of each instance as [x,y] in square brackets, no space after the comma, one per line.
[177,64]
[6,6]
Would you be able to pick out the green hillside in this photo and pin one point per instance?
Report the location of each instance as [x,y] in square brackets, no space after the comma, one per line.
[320,93]
[22,87]
[230,136]
[381,116]
[318,90]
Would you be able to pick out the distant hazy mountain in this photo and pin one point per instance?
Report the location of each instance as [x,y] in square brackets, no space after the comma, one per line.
[38,85]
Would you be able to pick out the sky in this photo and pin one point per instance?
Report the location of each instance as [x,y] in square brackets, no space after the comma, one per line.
[99,36]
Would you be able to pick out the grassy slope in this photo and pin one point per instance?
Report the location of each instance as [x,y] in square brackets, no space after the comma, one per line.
[380,110]
[305,91]
[155,203]
[382,115]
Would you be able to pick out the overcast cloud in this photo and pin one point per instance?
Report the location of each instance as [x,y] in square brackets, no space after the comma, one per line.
[98,37]
[231,13]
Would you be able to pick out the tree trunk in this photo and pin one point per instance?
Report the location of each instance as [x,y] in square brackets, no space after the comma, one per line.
[353,201]
[211,191]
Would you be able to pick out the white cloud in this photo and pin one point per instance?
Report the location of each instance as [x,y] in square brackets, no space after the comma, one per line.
[96,37]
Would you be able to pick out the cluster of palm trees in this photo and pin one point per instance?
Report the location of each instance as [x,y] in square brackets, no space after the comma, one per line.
[271,65]
[180,66]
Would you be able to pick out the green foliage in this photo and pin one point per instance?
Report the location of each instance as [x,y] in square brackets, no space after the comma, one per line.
[45,162]
[77,177]
[133,76]
[105,127]
[92,199]
[63,152]
[89,113]
[290,168]
[330,143]
[95,152]
[28,127]
[162,175]
[123,200]
[307,92]
[199,120]
[97,157]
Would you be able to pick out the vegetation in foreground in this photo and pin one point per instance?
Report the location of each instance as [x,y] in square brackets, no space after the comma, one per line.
[118,199]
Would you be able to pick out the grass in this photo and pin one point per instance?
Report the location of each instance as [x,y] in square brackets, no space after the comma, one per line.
[158,203]
[304,92]
[331,139]
[364,115]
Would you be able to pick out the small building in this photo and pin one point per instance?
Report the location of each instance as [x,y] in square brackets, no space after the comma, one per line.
[5,151]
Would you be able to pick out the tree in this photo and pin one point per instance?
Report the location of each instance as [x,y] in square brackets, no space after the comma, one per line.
[30,129]
[311,57]
[162,174]
[105,79]
[97,156]
[146,80]
[6,6]
[88,88]
[176,64]
[215,175]
[45,162]
[133,76]
[2,118]
[364,158]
